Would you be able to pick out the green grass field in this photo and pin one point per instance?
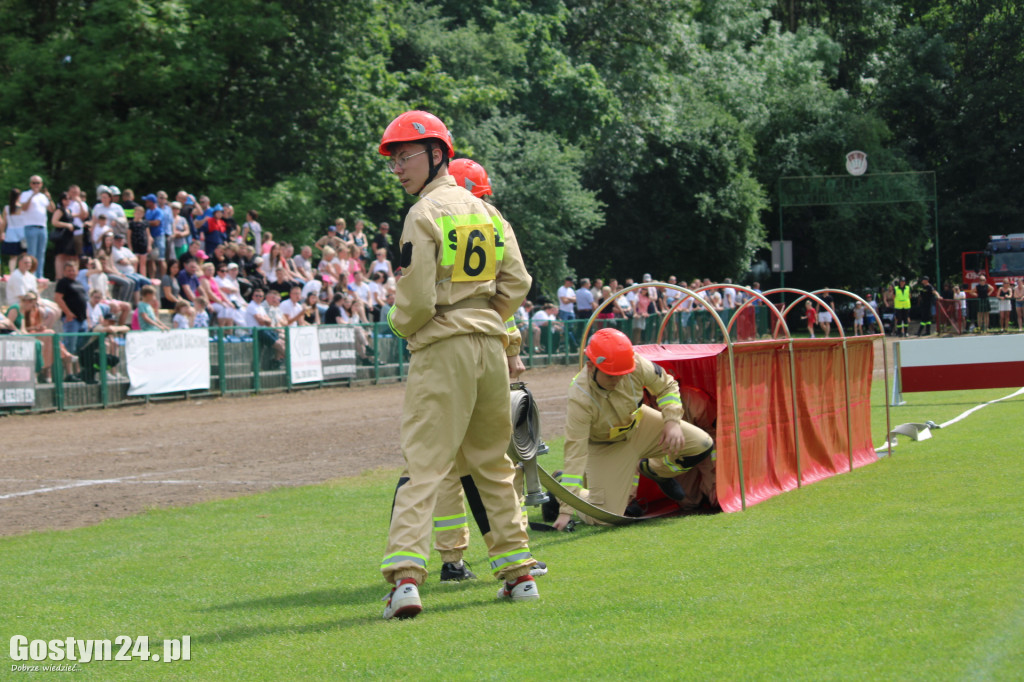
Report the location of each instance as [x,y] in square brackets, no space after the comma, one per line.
[909,569]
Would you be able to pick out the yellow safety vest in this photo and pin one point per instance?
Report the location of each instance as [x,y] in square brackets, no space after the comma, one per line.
[902,300]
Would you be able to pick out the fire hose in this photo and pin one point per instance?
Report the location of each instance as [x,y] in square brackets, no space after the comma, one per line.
[524,448]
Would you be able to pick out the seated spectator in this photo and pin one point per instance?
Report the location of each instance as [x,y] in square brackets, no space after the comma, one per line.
[149,320]
[381,264]
[102,319]
[25,317]
[311,316]
[23,281]
[378,294]
[330,268]
[344,314]
[227,280]
[292,310]
[228,315]
[304,263]
[188,280]
[257,317]
[360,289]
[125,261]
[170,287]
[183,314]
[546,317]
[201,318]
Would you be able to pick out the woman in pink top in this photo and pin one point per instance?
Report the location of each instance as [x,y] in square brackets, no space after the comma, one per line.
[220,304]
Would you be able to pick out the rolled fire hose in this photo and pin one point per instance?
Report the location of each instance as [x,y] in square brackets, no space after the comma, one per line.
[523,449]
[526,441]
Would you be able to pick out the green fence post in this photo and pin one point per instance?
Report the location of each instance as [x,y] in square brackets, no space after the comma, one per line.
[222,376]
[288,357]
[255,360]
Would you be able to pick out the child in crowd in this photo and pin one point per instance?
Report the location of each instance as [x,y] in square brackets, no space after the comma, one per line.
[811,315]
[858,318]
[148,318]
[182,315]
[201,318]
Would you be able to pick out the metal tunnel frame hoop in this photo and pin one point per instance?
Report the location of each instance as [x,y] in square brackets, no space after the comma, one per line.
[780,325]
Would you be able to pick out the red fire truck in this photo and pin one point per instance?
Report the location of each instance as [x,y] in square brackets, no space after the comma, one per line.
[1002,258]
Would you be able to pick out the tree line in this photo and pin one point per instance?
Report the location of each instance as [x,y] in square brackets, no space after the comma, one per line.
[621,137]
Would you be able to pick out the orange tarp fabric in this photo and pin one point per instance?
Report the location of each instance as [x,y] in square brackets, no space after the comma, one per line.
[765,407]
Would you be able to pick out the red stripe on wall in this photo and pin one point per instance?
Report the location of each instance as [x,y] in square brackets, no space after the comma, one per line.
[961,377]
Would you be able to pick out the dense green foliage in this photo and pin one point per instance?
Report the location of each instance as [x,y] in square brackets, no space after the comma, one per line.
[623,137]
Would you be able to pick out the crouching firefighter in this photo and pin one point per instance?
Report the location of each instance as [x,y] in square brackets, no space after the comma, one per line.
[610,433]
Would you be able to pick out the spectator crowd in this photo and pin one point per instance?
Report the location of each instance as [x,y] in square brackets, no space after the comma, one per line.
[122,260]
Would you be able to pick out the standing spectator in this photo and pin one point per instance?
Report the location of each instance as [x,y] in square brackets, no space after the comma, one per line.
[214,229]
[960,315]
[982,290]
[183,314]
[584,300]
[13,229]
[79,212]
[1005,296]
[567,300]
[201,317]
[36,205]
[140,237]
[858,318]
[201,213]
[641,311]
[64,228]
[729,297]
[70,296]
[811,315]
[128,203]
[825,314]
[382,240]
[112,212]
[252,231]
[231,229]
[157,240]
[163,249]
[335,238]
[180,235]
[360,240]
[1018,299]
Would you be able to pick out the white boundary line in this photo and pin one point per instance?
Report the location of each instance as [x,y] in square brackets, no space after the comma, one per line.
[89,482]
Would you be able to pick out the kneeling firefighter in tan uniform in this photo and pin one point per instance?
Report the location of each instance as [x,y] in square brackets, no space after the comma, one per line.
[461,279]
[610,433]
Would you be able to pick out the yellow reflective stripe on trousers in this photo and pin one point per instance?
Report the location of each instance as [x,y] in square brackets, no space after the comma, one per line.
[516,556]
[450,522]
[398,557]
[571,481]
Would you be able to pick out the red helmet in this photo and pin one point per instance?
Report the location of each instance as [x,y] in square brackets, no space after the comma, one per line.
[416,125]
[471,175]
[611,352]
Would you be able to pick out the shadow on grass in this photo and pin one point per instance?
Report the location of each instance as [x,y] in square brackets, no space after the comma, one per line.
[368,597]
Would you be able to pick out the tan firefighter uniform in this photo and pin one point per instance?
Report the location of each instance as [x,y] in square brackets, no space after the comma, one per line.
[451,524]
[462,277]
[608,432]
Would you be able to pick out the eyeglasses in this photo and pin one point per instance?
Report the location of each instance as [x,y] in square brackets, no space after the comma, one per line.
[394,164]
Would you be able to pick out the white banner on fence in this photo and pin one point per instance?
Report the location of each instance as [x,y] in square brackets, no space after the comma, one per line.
[337,350]
[17,371]
[165,362]
[304,354]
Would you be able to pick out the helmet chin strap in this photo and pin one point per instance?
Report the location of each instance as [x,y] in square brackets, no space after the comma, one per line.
[433,169]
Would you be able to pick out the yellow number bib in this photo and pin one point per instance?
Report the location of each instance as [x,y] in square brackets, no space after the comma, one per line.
[474,253]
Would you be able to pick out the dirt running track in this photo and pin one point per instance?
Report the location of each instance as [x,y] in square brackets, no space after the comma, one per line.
[72,469]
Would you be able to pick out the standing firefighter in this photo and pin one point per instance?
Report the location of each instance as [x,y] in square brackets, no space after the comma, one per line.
[460,281]
[451,527]
[609,432]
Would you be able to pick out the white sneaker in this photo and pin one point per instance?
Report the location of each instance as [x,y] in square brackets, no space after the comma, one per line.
[403,601]
[522,589]
[538,569]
